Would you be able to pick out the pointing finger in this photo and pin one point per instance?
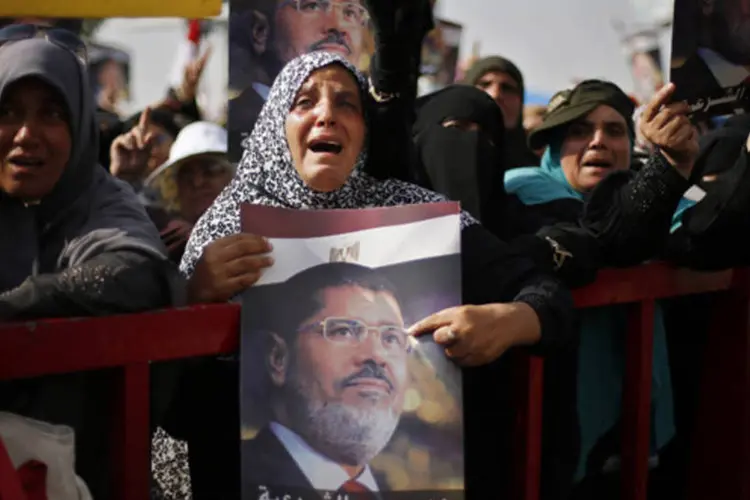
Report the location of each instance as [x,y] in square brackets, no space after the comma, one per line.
[432,323]
[660,99]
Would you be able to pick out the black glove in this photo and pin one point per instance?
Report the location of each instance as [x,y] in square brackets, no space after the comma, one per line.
[566,250]
[575,254]
[400,26]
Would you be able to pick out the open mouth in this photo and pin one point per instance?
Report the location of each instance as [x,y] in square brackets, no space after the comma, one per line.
[330,147]
[25,162]
[597,164]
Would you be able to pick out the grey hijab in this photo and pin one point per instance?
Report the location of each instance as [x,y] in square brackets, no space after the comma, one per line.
[266,173]
[88,212]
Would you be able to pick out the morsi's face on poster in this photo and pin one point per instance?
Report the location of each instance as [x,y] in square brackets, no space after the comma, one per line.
[339,379]
[270,33]
[308,25]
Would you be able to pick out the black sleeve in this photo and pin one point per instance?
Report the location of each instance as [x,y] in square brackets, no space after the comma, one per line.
[394,70]
[523,219]
[630,213]
[550,234]
[493,272]
[110,283]
[569,252]
[713,234]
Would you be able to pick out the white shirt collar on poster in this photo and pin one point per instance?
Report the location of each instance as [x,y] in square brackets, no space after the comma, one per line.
[323,473]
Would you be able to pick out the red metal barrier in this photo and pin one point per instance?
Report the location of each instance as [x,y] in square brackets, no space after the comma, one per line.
[640,286]
[130,342]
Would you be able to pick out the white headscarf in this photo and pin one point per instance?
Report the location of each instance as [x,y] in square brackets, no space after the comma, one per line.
[266,173]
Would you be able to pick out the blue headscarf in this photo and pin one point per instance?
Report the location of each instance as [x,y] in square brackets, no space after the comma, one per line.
[538,185]
[546,183]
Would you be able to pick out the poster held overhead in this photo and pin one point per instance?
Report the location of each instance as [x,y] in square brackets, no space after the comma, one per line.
[710,63]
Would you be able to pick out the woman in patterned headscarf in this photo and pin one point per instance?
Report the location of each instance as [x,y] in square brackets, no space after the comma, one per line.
[309,150]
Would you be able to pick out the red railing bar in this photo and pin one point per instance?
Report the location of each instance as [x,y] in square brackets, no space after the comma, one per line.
[649,282]
[10,482]
[527,443]
[636,400]
[130,431]
[44,347]
[54,346]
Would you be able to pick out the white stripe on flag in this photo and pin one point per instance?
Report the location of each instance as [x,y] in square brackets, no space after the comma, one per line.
[377,247]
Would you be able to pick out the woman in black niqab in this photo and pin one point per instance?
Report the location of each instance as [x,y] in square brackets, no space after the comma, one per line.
[459,139]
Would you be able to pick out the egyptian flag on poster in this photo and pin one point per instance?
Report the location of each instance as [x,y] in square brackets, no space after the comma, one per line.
[337,400]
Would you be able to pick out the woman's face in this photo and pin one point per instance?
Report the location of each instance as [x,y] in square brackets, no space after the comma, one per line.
[506,92]
[200,181]
[595,146]
[325,128]
[35,140]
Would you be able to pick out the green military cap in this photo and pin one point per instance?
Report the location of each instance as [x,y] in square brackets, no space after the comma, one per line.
[573,104]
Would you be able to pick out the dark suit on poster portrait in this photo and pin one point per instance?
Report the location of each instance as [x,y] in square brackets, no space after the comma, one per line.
[265,457]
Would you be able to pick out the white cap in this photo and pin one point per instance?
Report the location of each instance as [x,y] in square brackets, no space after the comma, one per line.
[197,139]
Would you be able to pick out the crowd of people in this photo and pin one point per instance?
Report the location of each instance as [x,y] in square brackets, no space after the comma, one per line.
[102,220]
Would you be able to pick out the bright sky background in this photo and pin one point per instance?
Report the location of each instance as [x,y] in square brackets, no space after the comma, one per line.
[553,41]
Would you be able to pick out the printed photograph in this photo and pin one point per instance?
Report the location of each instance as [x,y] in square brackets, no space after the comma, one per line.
[337,399]
[711,55]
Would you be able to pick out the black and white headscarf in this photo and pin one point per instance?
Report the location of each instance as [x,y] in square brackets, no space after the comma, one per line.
[266,173]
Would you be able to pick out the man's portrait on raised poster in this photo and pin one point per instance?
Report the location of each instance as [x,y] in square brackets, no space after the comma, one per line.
[264,35]
[711,55]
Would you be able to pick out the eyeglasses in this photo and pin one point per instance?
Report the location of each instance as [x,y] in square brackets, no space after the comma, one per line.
[354,13]
[60,37]
[352,332]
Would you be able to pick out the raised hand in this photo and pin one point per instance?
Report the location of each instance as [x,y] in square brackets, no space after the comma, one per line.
[130,151]
[666,125]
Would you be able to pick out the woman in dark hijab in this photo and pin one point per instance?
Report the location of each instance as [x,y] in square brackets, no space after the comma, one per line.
[503,81]
[63,218]
[459,139]
[76,242]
